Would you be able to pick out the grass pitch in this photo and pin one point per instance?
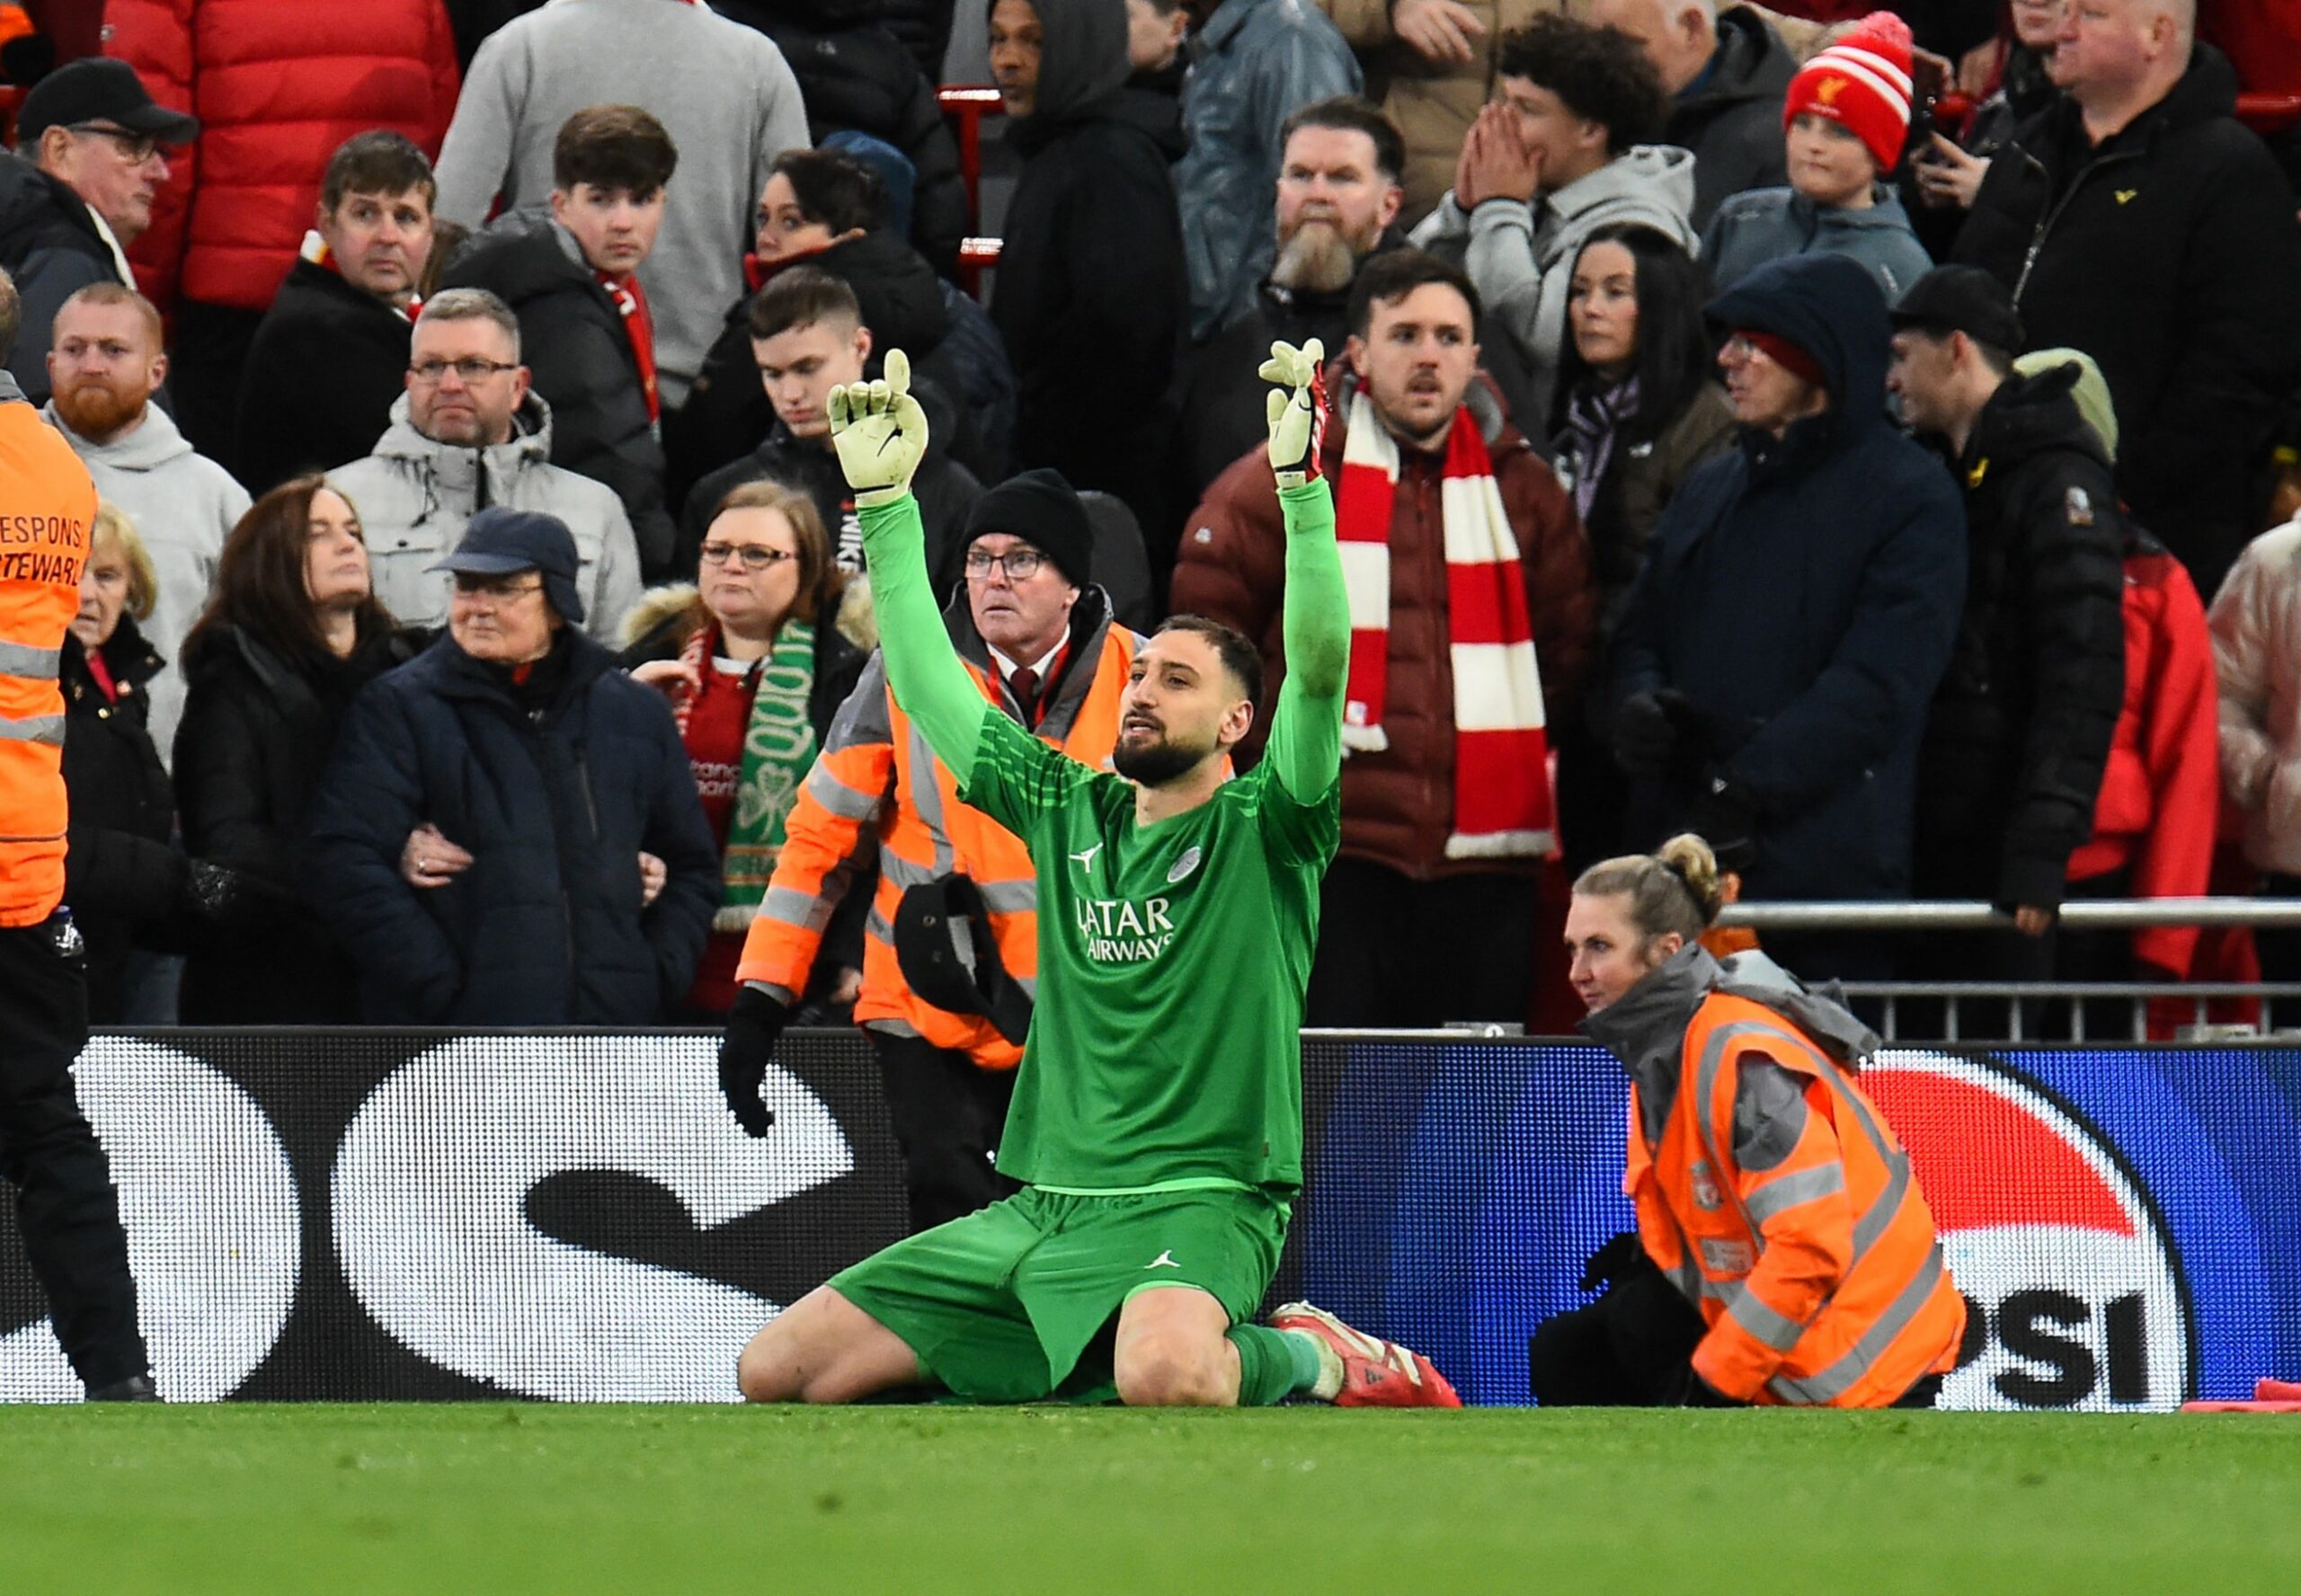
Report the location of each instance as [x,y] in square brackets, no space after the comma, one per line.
[495,1497]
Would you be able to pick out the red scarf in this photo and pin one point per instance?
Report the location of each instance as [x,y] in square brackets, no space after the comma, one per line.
[639,326]
[1502,797]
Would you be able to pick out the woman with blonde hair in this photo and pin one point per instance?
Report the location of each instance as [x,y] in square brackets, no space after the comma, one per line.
[128,888]
[1784,1256]
[755,665]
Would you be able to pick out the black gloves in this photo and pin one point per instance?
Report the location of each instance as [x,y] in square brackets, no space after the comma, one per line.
[217,895]
[1617,1260]
[1655,731]
[1726,817]
[753,1026]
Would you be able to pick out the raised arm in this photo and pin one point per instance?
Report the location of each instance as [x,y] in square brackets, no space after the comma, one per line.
[1306,724]
[880,433]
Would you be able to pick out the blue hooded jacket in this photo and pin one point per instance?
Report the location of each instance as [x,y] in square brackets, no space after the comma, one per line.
[1804,593]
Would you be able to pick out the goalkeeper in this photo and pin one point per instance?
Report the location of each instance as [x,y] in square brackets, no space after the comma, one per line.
[1157,1123]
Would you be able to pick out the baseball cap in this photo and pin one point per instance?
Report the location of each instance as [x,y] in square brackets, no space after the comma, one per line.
[98,89]
[1962,299]
[499,542]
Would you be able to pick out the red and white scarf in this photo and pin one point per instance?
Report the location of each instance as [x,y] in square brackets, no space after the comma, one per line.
[1502,797]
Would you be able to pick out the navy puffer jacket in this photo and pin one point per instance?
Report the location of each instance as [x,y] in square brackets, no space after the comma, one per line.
[1804,592]
[555,805]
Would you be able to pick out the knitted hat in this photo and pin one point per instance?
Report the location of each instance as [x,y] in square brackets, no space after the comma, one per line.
[1861,83]
[1040,508]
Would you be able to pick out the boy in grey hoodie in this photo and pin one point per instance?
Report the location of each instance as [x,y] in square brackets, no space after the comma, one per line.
[1847,116]
[1552,158]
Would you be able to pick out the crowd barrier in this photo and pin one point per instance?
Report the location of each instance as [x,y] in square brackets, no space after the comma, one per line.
[404,1215]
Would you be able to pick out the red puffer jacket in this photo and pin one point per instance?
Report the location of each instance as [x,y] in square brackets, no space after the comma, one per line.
[277,84]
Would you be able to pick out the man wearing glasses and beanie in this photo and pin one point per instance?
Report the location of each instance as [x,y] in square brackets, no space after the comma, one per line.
[89,159]
[1038,639]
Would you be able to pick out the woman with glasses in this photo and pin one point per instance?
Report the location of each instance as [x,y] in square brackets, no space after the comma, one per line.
[755,667]
[507,831]
[293,632]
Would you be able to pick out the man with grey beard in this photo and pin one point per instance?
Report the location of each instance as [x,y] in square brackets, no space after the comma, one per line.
[1339,195]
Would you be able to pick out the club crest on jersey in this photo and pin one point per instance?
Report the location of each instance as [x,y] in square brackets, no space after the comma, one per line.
[1120,931]
[1184,865]
[1705,1187]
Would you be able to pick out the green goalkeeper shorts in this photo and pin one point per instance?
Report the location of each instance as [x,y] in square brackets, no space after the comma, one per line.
[1003,1305]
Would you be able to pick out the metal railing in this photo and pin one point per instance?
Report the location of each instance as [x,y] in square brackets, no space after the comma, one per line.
[2039,1011]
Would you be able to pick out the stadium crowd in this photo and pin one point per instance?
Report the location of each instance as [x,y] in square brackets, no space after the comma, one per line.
[1871,441]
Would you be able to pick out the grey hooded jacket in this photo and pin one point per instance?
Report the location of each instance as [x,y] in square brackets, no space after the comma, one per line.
[1767,224]
[1520,255]
[1254,64]
[414,494]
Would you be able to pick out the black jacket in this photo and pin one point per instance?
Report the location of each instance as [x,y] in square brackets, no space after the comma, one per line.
[2170,255]
[555,792]
[50,247]
[254,734]
[573,339]
[2020,726]
[123,880]
[1803,592]
[946,494]
[328,361]
[856,76]
[1731,116]
[906,306]
[1091,290]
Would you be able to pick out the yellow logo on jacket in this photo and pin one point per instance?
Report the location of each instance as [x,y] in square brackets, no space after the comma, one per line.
[2126,194]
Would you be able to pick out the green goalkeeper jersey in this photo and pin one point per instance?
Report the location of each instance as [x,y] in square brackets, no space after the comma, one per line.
[1164,1048]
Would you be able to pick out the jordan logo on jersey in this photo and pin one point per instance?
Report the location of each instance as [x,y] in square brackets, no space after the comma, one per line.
[1118,931]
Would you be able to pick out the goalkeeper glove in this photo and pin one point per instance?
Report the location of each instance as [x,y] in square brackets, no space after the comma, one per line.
[880,433]
[1298,420]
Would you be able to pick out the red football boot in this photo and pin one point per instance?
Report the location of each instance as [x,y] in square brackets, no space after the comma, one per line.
[1374,1373]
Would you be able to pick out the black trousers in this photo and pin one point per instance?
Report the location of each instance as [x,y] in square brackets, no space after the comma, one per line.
[1400,954]
[65,1205]
[1634,1347]
[948,1115]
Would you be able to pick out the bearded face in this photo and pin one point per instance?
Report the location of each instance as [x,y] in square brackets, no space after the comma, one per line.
[98,403]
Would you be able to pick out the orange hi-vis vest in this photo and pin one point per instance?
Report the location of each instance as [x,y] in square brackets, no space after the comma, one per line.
[47,506]
[877,786]
[1820,1275]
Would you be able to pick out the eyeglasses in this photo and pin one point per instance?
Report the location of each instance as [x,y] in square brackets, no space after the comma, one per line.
[754,557]
[1738,350]
[471,371]
[134,148]
[1020,565]
[496,589]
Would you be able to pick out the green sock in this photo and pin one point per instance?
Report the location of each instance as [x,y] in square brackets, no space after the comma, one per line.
[1273,1364]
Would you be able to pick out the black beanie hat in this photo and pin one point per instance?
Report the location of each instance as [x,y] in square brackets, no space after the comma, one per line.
[1044,510]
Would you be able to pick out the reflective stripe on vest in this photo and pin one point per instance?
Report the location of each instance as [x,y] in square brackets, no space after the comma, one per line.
[1839,1377]
[48,729]
[37,664]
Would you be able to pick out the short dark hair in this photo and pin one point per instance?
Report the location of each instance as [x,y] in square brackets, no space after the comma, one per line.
[1600,73]
[1347,114]
[800,297]
[834,188]
[376,162]
[1999,362]
[618,148]
[1240,657]
[1393,274]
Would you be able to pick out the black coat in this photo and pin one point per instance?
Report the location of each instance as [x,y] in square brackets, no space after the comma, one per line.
[255,732]
[2170,255]
[924,26]
[50,247]
[946,493]
[328,361]
[1803,592]
[2021,727]
[1091,295]
[124,882]
[856,76]
[1732,122]
[573,339]
[556,797]
[906,306]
